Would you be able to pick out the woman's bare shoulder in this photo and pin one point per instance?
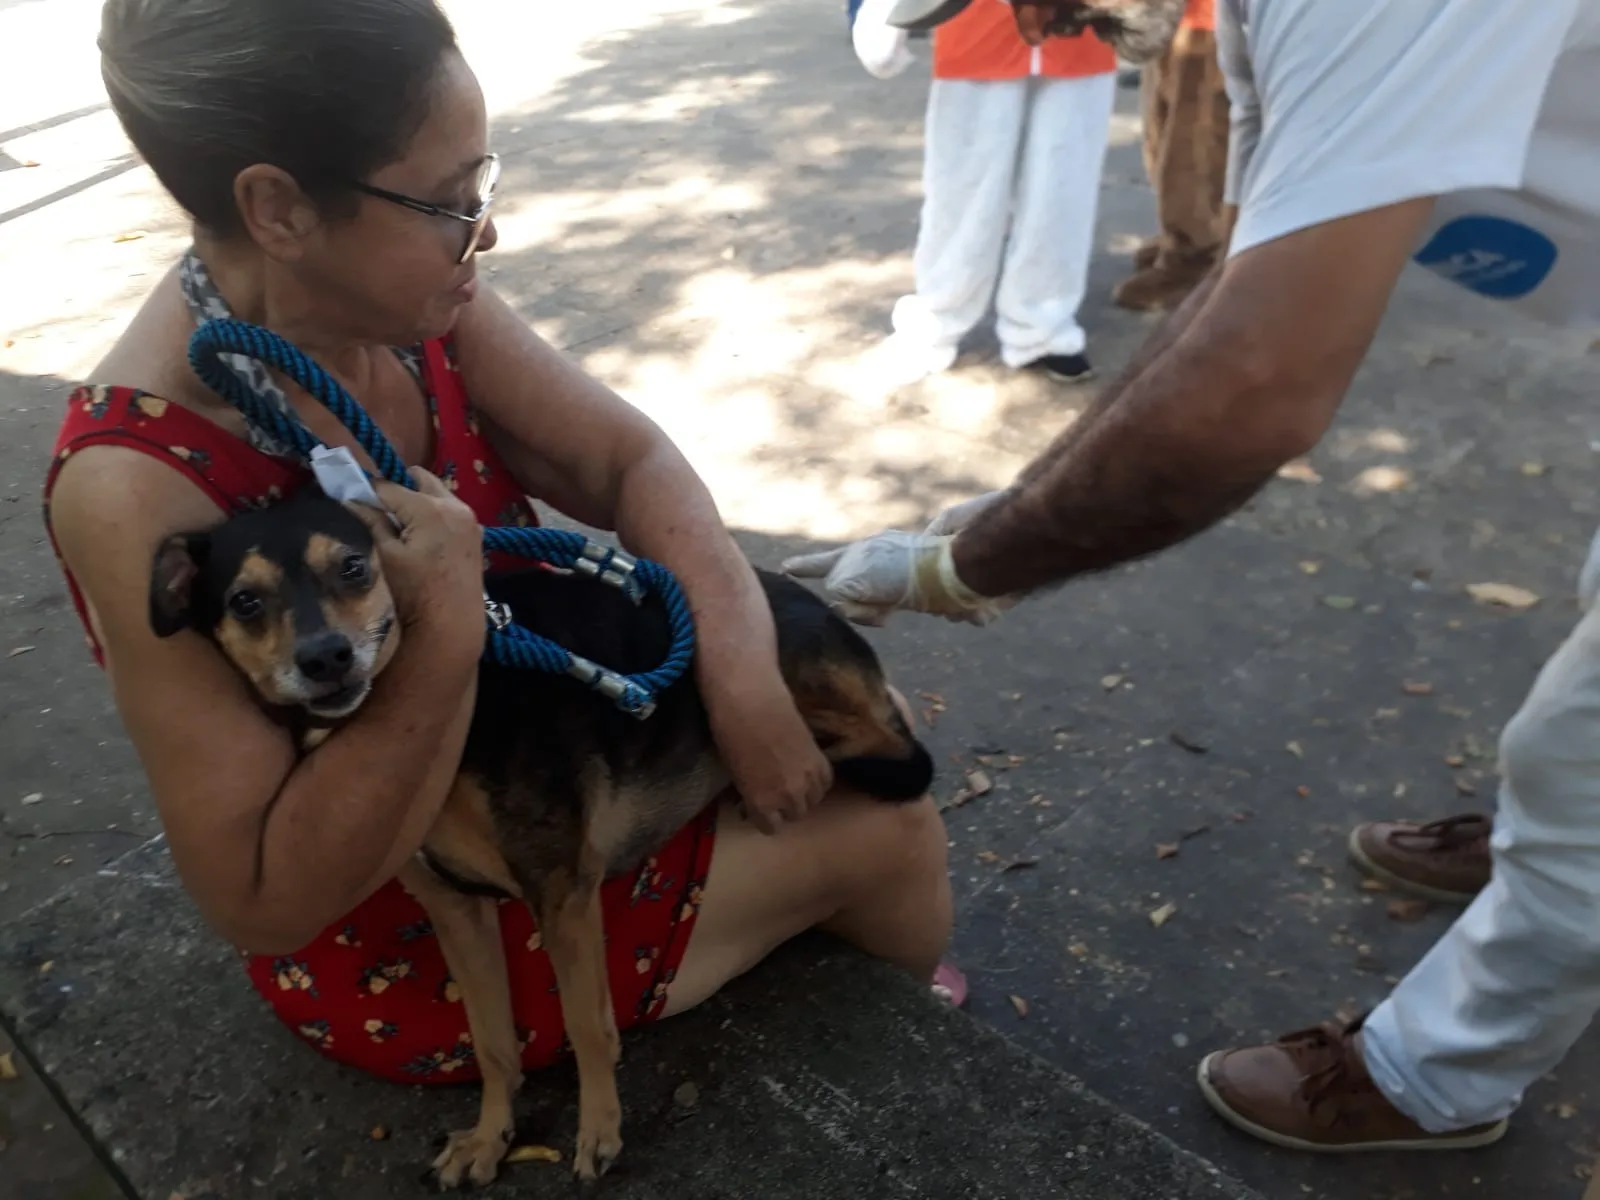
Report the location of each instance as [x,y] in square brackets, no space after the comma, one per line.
[151,353]
[112,496]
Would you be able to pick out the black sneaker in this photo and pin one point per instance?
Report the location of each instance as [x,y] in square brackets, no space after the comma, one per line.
[1063,368]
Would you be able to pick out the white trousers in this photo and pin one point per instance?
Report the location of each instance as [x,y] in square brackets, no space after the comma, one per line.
[1011,181]
[1506,992]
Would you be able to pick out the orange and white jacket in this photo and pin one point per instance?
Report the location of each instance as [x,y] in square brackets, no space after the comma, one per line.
[980,43]
[1200,14]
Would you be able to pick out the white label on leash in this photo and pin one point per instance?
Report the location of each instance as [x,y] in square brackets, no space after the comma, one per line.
[342,478]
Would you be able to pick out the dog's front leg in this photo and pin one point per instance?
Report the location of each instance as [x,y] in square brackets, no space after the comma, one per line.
[569,916]
[468,929]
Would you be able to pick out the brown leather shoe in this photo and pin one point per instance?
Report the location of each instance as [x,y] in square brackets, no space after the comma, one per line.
[1444,860]
[1311,1091]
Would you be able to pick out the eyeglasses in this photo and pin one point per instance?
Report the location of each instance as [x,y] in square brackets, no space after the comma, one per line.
[488,177]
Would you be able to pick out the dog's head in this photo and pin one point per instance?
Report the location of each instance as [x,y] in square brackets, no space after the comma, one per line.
[293,595]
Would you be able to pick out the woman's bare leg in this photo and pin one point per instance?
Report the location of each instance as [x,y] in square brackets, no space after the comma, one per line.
[871,872]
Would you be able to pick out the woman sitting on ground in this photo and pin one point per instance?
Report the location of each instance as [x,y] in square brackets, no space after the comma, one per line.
[335,161]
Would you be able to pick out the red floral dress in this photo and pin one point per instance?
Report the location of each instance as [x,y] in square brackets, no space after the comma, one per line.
[372,989]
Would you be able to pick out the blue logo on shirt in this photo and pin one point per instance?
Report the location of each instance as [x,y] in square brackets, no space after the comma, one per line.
[1490,255]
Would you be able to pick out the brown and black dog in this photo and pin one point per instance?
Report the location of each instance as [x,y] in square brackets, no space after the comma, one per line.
[557,788]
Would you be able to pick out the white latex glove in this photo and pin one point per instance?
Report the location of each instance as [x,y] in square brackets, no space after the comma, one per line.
[883,50]
[958,516]
[894,570]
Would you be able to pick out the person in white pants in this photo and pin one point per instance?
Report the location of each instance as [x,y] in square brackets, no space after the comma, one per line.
[1361,130]
[1015,144]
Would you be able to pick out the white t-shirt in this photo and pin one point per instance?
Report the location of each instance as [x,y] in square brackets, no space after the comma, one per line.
[1341,106]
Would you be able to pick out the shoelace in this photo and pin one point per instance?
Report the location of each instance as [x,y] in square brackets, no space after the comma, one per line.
[1325,1059]
[1469,831]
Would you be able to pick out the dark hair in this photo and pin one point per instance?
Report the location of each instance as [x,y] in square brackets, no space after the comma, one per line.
[327,90]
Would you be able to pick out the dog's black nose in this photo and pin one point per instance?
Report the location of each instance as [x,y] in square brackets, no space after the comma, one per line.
[324,657]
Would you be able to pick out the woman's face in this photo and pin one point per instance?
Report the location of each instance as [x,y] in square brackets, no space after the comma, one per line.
[394,275]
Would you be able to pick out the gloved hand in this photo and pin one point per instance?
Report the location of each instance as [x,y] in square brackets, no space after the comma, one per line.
[869,579]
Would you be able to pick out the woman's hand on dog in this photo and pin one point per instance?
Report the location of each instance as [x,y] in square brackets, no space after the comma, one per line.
[774,761]
[434,563]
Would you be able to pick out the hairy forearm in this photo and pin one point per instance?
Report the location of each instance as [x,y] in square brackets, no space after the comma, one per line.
[356,808]
[1185,443]
[1157,344]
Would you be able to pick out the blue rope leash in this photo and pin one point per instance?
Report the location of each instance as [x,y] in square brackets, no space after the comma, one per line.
[509,644]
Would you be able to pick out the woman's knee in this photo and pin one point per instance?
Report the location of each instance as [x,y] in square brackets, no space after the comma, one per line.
[899,842]
[898,873]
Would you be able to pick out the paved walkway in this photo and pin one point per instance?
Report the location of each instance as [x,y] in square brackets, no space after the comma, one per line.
[711,207]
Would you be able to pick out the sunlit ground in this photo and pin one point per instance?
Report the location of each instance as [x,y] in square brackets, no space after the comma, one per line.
[715,279]
[711,215]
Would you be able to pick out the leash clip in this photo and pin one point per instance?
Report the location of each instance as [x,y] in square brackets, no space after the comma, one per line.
[497,614]
[610,565]
[624,693]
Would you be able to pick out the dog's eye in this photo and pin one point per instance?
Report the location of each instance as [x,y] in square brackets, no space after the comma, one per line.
[353,569]
[245,605]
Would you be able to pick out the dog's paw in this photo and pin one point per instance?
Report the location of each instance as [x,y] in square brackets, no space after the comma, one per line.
[599,1145]
[470,1155]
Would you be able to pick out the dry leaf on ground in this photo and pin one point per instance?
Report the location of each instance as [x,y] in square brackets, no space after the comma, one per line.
[8,1069]
[1167,850]
[988,856]
[1408,910]
[527,1154]
[1502,595]
[1412,688]
[380,1133]
[1021,1005]
[1160,916]
[17,650]
[978,783]
[1339,602]
[1110,682]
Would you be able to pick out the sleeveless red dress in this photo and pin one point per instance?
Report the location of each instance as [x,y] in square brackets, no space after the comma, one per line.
[372,990]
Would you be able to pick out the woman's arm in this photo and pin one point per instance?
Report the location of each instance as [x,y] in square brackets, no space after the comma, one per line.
[576,444]
[272,848]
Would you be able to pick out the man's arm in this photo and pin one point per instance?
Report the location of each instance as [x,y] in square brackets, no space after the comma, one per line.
[1249,381]
[1154,347]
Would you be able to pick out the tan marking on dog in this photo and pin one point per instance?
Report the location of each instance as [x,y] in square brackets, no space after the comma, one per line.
[569,915]
[854,710]
[463,837]
[357,614]
[468,929]
[624,824]
[259,648]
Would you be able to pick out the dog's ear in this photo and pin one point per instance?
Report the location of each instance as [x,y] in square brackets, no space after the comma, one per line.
[177,563]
